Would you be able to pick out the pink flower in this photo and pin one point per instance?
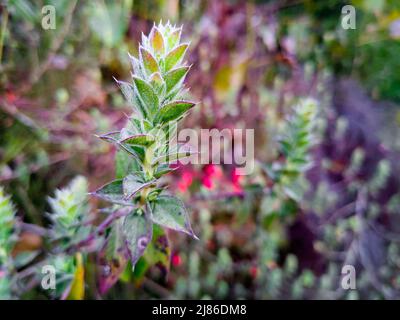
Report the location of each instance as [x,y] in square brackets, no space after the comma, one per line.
[186,181]
[176,260]
[211,174]
[11,97]
[236,179]
[207,182]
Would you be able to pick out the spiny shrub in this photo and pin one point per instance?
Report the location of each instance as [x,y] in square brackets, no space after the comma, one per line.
[156,95]
[70,228]
[294,146]
[140,206]
[70,214]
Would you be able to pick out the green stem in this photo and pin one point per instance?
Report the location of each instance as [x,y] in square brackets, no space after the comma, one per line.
[148,160]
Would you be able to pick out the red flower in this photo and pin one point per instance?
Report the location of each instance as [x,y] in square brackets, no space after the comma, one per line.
[253,272]
[11,97]
[186,181]
[176,260]
[207,182]
[211,174]
[236,179]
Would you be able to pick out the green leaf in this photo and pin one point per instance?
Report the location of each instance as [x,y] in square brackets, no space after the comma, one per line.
[154,193]
[65,269]
[132,184]
[175,76]
[124,164]
[174,37]
[156,80]
[158,84]
[115,241]
[162,170]
[113,257]
[147,95]
[112,137]
[143,140]
[135,63]
[158,253]
[138,230]
[139,272]
[146,125]
[127,90]
[136,124]
[113,192]
[170,212]
[131,97]
[178,90]
[157,41]
[135,151]
[159,250]
[175,56]
[149,62]
[175,153]
[173,110]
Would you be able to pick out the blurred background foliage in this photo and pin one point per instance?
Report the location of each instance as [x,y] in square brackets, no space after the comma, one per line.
[252,61]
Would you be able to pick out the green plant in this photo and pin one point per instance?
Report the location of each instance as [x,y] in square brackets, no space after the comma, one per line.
[157,96]
[67,235]
[69,231]
[7,240]
[70,214]
[294,146]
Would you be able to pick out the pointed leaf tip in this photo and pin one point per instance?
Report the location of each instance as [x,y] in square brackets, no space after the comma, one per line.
[157,40]
[147,94]
[139,140]
[175,56]
[149,62]
[113,192]
[175,76]
[173,110]
[170,212]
